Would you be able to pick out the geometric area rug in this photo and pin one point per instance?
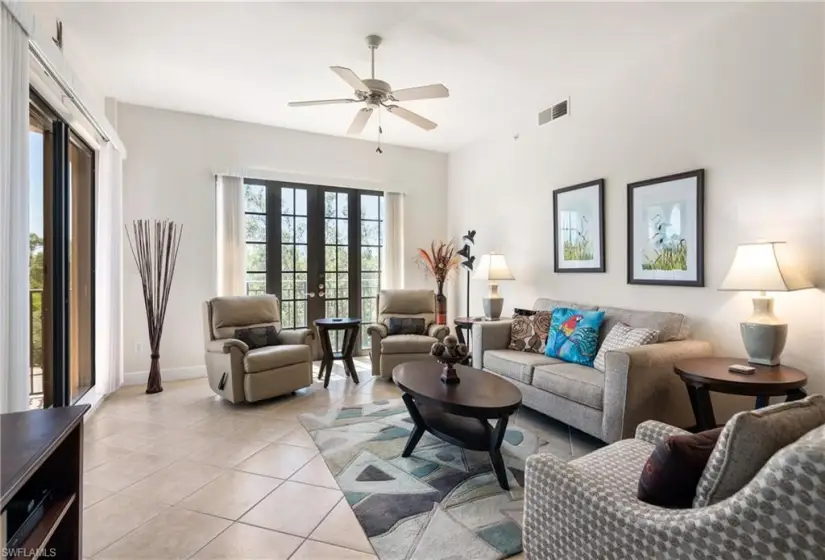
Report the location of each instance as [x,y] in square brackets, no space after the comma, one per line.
[441,503]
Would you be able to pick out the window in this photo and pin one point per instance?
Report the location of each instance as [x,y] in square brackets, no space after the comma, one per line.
[372,241]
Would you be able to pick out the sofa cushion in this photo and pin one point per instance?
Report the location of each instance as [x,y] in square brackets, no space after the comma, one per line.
[671,326]
[272,357]
[515,364]
[749,440]
[581,384]
[407,344]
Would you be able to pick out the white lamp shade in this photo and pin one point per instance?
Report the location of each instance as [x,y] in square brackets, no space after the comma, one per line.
[763,267]
[492,267]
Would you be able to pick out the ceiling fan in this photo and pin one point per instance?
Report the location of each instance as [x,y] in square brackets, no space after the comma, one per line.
[376,94]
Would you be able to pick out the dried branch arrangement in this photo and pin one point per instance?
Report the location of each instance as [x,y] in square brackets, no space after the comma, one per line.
[154,245]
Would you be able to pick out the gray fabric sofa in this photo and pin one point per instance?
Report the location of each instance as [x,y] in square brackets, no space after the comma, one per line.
[638,383]
[588,508]
[386,350]
[239,374]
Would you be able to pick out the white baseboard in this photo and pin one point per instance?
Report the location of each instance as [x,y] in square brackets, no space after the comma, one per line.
[167,374]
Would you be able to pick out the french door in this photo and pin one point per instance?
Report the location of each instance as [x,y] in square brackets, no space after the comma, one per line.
[317,248]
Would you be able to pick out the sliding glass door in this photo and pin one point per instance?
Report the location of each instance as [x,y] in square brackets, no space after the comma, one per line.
[317,248]
[61,261]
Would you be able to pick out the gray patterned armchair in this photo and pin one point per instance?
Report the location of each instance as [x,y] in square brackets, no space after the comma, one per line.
[588,508]
[386,350]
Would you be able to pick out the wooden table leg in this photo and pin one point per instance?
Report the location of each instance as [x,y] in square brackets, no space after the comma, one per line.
[418,430]
[796,395]
[762,401]
[348,347]
[496,439]
[328,356]
[459,334]
[702,406]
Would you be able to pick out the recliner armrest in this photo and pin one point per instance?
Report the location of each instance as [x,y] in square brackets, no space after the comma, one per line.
[225,345]
[297,336]
[378,329]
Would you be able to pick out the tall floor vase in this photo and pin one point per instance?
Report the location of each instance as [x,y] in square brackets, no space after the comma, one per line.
[441,305]
[155,249]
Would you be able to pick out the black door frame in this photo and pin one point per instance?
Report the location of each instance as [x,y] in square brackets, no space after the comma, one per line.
[316,306]
[56,260]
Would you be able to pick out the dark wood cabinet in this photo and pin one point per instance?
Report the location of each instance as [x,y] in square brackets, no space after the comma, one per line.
[41,477]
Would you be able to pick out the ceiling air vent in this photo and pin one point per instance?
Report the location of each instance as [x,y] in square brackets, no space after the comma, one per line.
[555,112]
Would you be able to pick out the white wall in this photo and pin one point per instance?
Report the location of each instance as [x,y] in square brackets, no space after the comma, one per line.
[170,174]
[743,100]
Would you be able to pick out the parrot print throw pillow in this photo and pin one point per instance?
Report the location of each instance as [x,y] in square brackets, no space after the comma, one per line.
[574,335]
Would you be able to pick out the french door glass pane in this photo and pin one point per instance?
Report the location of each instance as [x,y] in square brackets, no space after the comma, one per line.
[287,257]
[300,229]
[369,207]
[372,215]
[287,230]
[255,284]
[301,256]
[287,286]
[255,198]
[300,202]
[255,227]
[369,258]
[287,201]
[256,257]
[301,285]
[81,268]
[369,233]
[38,313]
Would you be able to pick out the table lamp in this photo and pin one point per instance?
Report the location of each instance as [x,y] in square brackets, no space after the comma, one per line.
[493,268]
[763,267]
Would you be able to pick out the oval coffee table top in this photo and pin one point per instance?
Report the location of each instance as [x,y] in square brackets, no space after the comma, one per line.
[479,394]
[714,372]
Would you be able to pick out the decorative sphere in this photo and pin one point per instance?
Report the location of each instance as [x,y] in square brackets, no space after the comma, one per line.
[462,350]
[437,349]
[450,341]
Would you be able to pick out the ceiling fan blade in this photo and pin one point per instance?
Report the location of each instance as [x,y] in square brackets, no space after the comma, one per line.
[361,119]
[321,102]
[351,78]
[411,117]
[432,91]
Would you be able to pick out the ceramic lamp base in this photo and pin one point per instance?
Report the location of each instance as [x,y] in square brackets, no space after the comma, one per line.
[764,343]
[493,303]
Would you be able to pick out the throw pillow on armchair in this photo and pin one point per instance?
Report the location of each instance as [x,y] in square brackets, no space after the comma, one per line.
[574,335]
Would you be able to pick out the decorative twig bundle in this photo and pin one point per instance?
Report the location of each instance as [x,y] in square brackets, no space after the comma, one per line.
[154,245]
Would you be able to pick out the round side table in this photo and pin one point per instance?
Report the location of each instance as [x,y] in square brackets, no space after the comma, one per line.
[350,328]
[702,375]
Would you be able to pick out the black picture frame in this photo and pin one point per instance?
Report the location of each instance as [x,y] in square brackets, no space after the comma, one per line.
[632,188]
[602,266]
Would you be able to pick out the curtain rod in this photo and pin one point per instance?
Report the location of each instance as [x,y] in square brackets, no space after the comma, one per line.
[47,66]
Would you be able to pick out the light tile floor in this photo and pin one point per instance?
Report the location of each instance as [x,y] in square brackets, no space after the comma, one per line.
[185,474]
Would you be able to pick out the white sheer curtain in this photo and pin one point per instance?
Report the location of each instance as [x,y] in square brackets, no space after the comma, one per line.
[14,214]
[109,272]
[231,236]
[392,276]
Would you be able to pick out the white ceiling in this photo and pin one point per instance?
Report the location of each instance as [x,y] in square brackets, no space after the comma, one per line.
[244,61]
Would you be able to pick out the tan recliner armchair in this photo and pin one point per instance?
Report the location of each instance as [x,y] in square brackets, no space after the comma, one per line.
[237,373]
[387,351]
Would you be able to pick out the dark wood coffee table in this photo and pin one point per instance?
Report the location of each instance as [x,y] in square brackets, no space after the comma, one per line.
[702,375]
[460,413]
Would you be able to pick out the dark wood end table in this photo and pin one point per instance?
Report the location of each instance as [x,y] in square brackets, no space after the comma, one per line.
[702,375]
[459,413]
[350,327]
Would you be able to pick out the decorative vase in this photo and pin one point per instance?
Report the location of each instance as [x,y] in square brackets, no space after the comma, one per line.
[441,306]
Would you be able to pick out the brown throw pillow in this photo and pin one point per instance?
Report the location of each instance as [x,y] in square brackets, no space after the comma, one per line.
[670,475]
[528,333]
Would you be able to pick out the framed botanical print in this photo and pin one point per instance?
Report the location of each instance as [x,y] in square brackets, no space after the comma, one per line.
[665,230]
[578,221]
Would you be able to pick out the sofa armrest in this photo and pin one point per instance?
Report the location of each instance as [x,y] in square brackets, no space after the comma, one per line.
[640,385]
[225,345]
[492,335]
[654,432]
[297,336]
[563,503]
[438,331]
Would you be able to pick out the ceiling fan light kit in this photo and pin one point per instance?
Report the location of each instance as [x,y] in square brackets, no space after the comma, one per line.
[376,94]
